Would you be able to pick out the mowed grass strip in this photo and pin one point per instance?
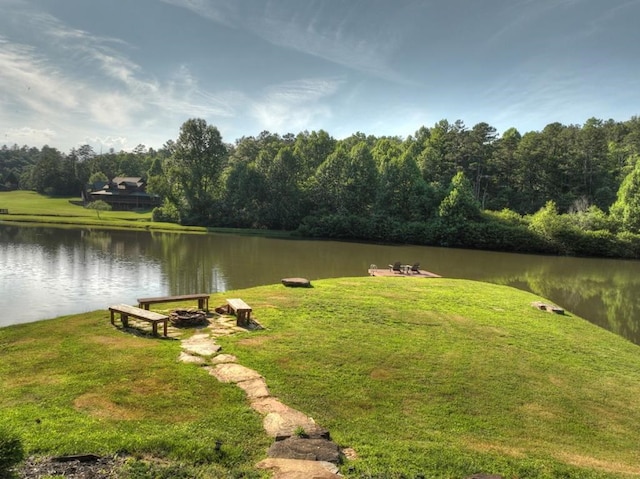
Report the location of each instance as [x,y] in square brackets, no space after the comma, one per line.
[449,377]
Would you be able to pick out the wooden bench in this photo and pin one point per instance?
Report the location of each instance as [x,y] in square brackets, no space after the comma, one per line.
[150,316]
[4,211]
[241,309]
[203,300]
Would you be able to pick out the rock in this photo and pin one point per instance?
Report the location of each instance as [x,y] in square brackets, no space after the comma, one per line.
[190,358]
[549,308]
[295,469]
[200,344]
[296,282]
[224,358]
[305,449]
[233,373]
[255,388]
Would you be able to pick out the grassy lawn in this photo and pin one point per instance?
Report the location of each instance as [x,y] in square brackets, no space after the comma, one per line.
[28,206]
[31,207]
[433,378]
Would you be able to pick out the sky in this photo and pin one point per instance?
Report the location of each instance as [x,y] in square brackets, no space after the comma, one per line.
[121,73]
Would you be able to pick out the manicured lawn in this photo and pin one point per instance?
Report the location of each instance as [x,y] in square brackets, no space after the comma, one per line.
[31,207]
[421,377]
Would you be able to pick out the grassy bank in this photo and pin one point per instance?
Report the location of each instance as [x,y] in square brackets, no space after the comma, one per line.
[31,207]
[440,378]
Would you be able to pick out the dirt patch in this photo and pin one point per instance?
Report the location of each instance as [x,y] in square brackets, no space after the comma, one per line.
[118,343]
[592,462]
[380,374]
[97,405]
[259,341]
[487,447]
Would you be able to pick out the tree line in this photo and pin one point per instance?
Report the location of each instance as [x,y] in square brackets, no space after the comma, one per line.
[568,189]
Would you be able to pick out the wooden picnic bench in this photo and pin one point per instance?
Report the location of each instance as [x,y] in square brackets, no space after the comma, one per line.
[150,316]
[241,309]
[203,300]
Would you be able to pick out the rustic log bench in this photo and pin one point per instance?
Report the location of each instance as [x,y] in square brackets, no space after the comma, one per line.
[150,316]
[203,300]
[241,309]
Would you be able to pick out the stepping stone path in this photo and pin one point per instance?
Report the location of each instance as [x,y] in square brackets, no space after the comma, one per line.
[302,449]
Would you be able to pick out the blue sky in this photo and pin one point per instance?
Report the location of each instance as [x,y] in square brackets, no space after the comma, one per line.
[118,73]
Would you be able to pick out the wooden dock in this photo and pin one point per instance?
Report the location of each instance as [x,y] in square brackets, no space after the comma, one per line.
[387,272]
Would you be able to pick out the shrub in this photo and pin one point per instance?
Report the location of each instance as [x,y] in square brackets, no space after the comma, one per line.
[167,213]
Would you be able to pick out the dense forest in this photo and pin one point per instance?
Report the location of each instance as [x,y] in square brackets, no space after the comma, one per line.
[568,189]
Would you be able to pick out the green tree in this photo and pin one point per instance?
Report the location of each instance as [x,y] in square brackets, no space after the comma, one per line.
[198,158]
[283,207]
[403,194]
[626,210]
[99,206]
[313,149]
[460,204]
[98,177]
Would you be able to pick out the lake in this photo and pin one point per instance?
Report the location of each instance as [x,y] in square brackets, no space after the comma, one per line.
[51,271]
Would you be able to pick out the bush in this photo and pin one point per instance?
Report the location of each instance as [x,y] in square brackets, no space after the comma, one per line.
[166,213]
[11,452]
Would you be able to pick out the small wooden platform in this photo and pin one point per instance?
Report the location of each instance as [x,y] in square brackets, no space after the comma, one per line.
[389,273]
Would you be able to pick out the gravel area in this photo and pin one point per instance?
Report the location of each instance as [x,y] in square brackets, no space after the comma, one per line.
[84,467]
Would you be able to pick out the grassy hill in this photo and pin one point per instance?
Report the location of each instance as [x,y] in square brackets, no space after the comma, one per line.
[421,377]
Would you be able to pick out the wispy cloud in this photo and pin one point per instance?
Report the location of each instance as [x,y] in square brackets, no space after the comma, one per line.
[67,76]
[294,105]
[357,41]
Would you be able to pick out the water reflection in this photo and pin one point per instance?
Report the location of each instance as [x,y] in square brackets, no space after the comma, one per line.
[46,272]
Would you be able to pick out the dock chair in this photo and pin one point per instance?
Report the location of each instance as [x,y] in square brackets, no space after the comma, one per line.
[415,268]
[396,267]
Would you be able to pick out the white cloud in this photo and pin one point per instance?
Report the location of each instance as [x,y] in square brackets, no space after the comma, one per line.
[78,81]
[25,135]
[29,81]
[294,105]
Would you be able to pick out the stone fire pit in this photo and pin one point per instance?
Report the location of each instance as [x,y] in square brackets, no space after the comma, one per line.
[188,317]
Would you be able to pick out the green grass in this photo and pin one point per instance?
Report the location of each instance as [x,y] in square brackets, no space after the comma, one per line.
[433,378]
[31,207]
[77,385]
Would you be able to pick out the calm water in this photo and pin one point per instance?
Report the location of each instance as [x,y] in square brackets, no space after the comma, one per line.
[48,272]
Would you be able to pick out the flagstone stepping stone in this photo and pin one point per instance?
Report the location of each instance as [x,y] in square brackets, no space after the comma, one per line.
[255,388]
[305,449]
[224,358]
[200,344]
[296,469]
[233,373]
[281,425]
[190,358]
